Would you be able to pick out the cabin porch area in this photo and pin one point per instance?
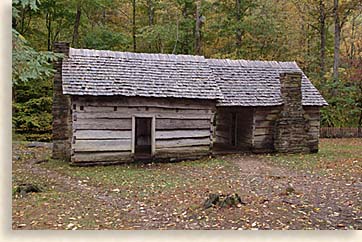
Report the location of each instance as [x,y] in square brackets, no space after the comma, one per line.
[233,130]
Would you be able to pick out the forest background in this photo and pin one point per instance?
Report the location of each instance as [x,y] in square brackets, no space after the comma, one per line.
[323,36]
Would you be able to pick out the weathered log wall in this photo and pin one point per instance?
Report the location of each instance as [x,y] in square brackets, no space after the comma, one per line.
[256,128]
[312,117]
[265,122]
[264,128]
[102,128]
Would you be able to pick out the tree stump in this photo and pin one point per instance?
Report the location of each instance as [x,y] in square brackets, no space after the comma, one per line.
[25,188]
[221,200]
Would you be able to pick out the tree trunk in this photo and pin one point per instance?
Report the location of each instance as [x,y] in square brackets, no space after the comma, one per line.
[198,29]
[176,41]
[353,31]
[185,40]
[322,25]
[48,24]
[151,12]
[134,25]
[359,129]
[238,19]
[337,40]
[76,25]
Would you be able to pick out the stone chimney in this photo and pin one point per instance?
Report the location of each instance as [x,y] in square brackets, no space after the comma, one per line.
[290,132]
[61,109]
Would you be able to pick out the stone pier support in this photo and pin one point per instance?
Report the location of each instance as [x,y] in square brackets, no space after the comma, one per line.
[61,110]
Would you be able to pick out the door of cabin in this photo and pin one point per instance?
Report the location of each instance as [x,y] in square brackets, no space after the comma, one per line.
[143,137]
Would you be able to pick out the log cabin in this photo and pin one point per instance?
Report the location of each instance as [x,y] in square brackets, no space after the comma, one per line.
[113,107]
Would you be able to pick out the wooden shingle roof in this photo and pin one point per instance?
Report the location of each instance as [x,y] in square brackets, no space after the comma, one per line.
[109,73]
[231,82]
[257,83]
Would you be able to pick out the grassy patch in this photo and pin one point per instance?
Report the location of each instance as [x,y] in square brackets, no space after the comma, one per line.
[336,155]
[161,175]
[119,176]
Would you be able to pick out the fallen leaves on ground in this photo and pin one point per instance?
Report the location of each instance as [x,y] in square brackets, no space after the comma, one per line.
[279,193]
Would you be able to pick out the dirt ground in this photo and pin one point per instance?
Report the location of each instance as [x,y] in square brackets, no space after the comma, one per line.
[277,195]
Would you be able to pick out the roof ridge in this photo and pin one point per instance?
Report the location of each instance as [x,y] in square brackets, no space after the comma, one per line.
[254,63]
[135,55]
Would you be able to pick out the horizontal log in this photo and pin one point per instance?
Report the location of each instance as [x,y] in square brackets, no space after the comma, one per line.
[182,142]
[263,131]
[263,123]
[162,124]
[128,114]
[133,110]
[200,148]
[100,163]
[183,152]
[263,138]
[101,156]
[234,109]
[161,134]
[102,145]
[146,102]
[103,124]
[102,134]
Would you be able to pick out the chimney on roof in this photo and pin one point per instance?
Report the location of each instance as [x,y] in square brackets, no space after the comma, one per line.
[290,133]
[61,109]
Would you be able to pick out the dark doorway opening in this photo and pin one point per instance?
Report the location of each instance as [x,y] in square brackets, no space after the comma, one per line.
[143,139]
[234,130]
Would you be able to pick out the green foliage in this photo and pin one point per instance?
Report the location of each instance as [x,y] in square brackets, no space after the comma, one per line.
[27,63]
[32,4]
[32,72]
[102,38]
[32,107]
[33,115]
[255,29]
[159,38]
[344,97]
